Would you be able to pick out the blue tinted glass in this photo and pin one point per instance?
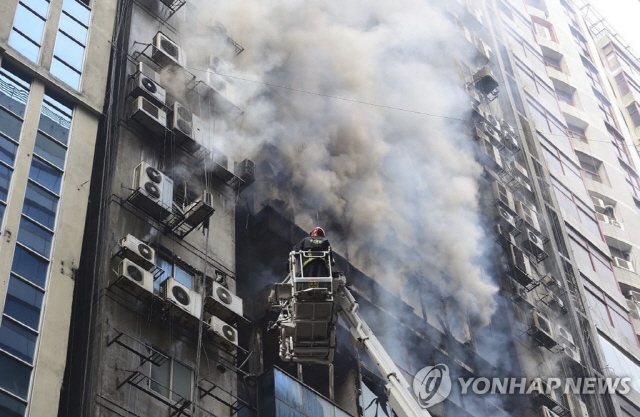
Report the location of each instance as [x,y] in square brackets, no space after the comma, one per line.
[17,340]
[74,29]
[288,390]
[10,125]
[283,410]
[166,267]
[29,266]
[8,150]
[40,205]
[50,150]
[65,73]
[69,51]
[29,24]
[35,237]
[2,207]
[15,376]
[46,175]
[24,46]
[183,277]
[5,178]
[77,10]
[54,123]
[13,94]
[38,6]
[23,302]
[10,407]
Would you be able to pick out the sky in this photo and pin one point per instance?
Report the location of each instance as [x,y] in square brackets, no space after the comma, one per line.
[622,15]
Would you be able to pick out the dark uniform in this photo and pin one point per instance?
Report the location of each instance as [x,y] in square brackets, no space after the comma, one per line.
[315,267]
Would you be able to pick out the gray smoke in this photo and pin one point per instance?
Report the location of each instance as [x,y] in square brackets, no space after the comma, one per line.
[397,190]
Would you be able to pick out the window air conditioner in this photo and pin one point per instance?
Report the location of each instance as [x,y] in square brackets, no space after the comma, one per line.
[624,264]
[533,243]
[224,333]
[153,191]
[521,266]
[146,83]
[502,194]
[149,115]
[572,351]
[564,335]
[167,52]
[134,279]
[541,330]
[223,303]
[138,251]
[185,127]
[528,215]
[505,219]
[185,299]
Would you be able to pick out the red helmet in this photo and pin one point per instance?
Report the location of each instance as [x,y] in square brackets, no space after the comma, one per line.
[317,231]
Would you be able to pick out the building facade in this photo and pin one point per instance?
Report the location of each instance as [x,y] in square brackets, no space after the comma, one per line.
[186,235]
[54,59]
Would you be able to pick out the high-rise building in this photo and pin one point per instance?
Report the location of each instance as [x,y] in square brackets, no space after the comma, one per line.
[474,165]
[54,60]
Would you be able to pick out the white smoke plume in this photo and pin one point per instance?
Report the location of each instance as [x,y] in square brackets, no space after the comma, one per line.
[397,190]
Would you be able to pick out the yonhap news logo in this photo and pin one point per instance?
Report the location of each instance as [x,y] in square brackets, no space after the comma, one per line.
[432,385]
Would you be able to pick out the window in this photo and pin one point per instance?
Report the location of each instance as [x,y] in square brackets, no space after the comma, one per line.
[634,113]
[581,42]
[620,363]
[172,380]
[605,109]
[592,74]
[565,96]
[555,63]
[621,147]
[70,45]
[172,269]
[28,27]
[576,132]
[543,29]
[590,167]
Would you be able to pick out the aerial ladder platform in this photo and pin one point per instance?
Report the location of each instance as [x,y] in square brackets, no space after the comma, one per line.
[309,308]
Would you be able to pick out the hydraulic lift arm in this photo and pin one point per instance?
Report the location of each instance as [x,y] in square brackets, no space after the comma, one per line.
[398,389]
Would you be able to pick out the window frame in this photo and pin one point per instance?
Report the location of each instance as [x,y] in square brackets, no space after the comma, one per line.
[172,362]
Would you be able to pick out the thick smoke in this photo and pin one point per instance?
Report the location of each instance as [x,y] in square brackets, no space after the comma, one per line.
[397,190]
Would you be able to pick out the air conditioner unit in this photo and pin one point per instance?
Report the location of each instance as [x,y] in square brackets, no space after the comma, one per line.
[167,52]
[483,79]
[533,243]
[149,115]
[550,281]
[634,311]
[494,123]
[134,279]
[200,210]
[186,128]
[541,330]
[602,218]
[528,215]
[506,128]
[502,194]
[185,299]
[510,140]
[518,169]
[473,93]
[598,204]
[634,295]
[494,160]
[555,302]
[505,219]
[478,114]
[153,191]
[224,333]
[624,264]
[521,267]
[522,298]
[573,352]
[147,86]
[564,336]
[577,407]
[223,303]
[220,165]
[138,251]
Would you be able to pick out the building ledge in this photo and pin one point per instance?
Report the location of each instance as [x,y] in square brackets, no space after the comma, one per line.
[574,115]
[549,48]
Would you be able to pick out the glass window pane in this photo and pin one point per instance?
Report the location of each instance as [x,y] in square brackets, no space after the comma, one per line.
[2,207]
[8,150]
[46,175]
[69,51]
[55,123]
[10,407]
[24,46]
[65,73]
[40,205]
[35,237]
[166,267]
[181,381]
[77,10]
[10,125]
[183,277]
[50,150]
[17,340]
[23,302]
[283,410]
[39,6]
[5,179]
[15,376]
[30,266]
[13,95]
[29,24]
[160,378]
[288,390]
[74,29]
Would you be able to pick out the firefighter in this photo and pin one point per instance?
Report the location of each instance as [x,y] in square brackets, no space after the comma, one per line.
[315,242]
